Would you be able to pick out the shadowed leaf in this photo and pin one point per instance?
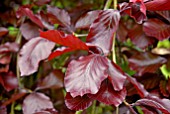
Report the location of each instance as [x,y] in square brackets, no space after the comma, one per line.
[3,31]
[85,75]
[41,2]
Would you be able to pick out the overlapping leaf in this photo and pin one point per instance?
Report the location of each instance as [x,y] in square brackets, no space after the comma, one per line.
[41,2]
[108,95]
[32,53]
[3,31]
[145,62]
[36,102]
[64,39]
[103,28]
[116,76]
[77,103]
[155,5]
[85,75]
[156,28]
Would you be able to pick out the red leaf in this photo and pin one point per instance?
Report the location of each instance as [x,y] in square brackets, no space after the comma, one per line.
[9,81]
[3,31]
[139,38]
[36,102]
[89,72]
[58,16]
[9,47]
[32,53]
[138,86]
[157,29]
[29,30]
[122,31]
[47,111]
[116,76]
[108,95]
[168,86]
[148,110]
[24,11]
[154,102]
[64,39]
[59,51]
[53,80]
[103,28]
[87,19]
[42,2]
[163,89]
[145,62]
[77,103]
[155,5]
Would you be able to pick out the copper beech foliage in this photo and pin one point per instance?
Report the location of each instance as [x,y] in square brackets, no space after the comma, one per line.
[57,59]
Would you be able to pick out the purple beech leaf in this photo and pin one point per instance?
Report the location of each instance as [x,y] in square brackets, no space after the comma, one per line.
[103,28]
[42,2]
[77,103]
[87,19]
[163,89]
[36,102]
[29,30]
[3,110]
[54,80]
[85,75]
[25,11]
[138,86]
[122,32]
[32,53]
[108,95]
[116,76]
[156,28]
[3,31]
[146,62]
[168,86]
[58,16]
[59,51]
[61,38]
[9,47]
[138,37]
[158,5]
[47,111]
[156,103]
[148,110]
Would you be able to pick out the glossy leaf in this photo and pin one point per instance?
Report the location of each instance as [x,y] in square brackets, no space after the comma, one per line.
[138,37]
[54,80]
[87,19]
[25,11]
[108,95]
[157,29]
[64,39]
[58,16]
[77,103]
[36,102]
[155,5]
[3,31]
[145,62]
[59,51]
[29,30]
[116,76]
[160,104]
[103,28]
[32,53]
[89,72]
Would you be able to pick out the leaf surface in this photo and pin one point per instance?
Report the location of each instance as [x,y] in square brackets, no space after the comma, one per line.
[85,75]
[103,28]
[32,53]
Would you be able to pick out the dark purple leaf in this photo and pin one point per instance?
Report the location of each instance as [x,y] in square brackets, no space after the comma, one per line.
[156,5]
[36,102]
[58,16]
[32,53]
[157,29]
[163,89]
[139,38]
[85,75]
[138,86]
[64,39]
[87,19]
[25,11]
[77,103]
[103,28]
[47,111]
[3,31]
[3,110]
[9,47]
[29,30]
[108,95]
[59,51]
[8,81]
[41,2]
[148,110]
[122,32]
[116,76]
[168,86]
[155,102]
[53,80]
[145,62]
